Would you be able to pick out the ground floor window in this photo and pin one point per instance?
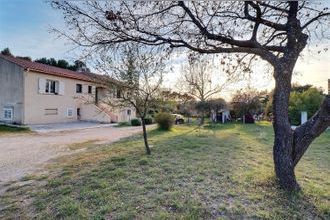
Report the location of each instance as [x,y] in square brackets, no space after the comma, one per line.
[70,112]
[8,113]
[129,112]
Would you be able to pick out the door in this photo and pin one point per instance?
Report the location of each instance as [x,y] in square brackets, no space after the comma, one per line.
[78,114]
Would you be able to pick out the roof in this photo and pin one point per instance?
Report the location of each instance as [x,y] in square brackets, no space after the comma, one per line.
[47,69]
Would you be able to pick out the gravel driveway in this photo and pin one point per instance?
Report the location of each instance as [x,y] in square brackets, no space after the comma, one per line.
[21,154]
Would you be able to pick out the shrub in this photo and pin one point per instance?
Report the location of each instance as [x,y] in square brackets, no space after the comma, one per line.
[123,124]
[135,122]
[148,121]
[165,121]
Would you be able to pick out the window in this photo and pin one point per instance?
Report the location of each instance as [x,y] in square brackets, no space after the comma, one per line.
[70,112]
[51,111]
[8,113]
[129,112]
[78,88]
[118,93]
[51,87]
[90,89]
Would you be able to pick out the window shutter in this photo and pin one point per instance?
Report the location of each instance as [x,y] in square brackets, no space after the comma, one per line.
[57,87]
[42,85]
[93,90]
[61,88]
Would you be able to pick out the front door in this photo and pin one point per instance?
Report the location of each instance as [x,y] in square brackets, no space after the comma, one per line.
[78,113]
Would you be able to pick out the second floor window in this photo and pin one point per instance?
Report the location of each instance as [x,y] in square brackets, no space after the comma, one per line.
[78,88]
[51,86]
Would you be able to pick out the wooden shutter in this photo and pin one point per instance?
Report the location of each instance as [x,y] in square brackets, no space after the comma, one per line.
[42,85]
[61,88]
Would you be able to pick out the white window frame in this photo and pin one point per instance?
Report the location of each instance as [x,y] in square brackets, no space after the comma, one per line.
[69,110]
[49,81]
[11,113]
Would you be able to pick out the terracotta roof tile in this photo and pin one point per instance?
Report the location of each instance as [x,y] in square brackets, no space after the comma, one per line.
[47,69]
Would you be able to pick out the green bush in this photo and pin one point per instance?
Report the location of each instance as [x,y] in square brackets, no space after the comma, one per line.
[309,101]
[165,121]
[135,122]
[124,124]
[148,121]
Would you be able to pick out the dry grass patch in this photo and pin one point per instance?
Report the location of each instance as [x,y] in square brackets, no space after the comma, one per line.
[211,172]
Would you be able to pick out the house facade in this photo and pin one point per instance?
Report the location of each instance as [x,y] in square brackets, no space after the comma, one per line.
[34,93]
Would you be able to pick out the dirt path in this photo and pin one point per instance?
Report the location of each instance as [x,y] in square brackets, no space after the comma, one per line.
[22,154]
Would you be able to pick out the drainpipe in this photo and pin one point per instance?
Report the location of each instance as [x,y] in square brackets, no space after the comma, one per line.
[23,104]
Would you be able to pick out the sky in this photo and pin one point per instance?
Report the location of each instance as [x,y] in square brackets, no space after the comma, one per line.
[25,29]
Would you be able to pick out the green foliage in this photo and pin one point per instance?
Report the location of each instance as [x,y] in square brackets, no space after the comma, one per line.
[302,98]
[78,65]
[9,129]
[212,104]
[148,121]
[24,58]
[165,121]
[6,52]
[300,89]
[308,100]
[246,102]
[135,122]
[123,124]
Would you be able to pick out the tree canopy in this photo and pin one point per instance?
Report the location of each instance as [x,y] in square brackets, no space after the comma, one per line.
[308,100]
[246,102]
[6,51]
[77,66]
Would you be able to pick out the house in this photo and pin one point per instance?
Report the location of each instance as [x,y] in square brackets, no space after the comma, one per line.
[35,93]
[222,115]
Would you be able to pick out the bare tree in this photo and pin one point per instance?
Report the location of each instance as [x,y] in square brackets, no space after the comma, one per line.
[136,78]
[277,32]
[199,80]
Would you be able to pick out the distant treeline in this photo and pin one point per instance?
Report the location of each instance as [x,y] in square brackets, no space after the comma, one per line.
[78,65]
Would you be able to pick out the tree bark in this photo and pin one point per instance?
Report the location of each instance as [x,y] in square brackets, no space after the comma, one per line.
[283,142]
[290,145]
[145,136]
[307,132]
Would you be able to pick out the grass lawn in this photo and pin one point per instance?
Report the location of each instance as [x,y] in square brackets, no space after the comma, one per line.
[4,129]
[222,171]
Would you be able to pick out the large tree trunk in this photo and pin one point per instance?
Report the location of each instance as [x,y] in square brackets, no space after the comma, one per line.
[145,136]
[290,145]
[282,150]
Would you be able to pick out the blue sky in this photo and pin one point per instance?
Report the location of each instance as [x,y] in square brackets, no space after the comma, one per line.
[25,26]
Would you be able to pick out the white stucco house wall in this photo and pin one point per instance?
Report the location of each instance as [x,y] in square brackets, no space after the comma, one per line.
[35,93]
